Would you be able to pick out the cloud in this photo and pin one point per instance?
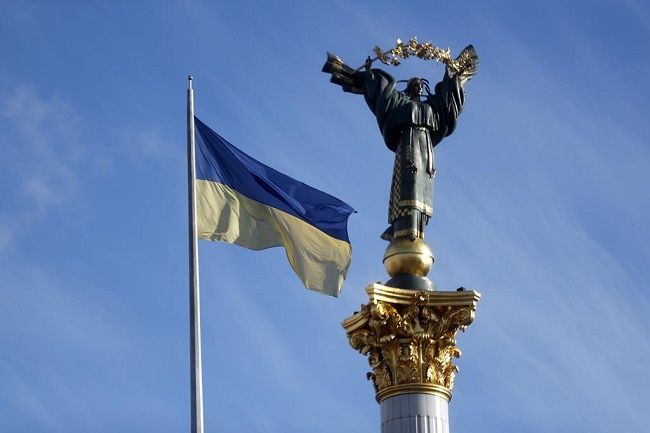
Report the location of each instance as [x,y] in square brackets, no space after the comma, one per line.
[26,400]
[49,156]
[76,355]
[5,237]
[142,146]
[42,135]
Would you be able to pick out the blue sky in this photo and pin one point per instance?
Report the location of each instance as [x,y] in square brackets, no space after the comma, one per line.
[541,205]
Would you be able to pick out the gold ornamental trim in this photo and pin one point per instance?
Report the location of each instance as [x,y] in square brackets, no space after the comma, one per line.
[377,292]
[358,320]
[414,388]
[413,233]
[416,204]
[409,337]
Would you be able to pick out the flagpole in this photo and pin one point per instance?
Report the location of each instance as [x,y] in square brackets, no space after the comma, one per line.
[196,385]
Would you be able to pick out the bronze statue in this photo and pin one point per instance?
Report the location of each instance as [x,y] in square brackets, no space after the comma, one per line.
[411,123]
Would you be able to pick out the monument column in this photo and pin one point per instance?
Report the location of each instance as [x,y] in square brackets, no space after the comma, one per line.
[408,328]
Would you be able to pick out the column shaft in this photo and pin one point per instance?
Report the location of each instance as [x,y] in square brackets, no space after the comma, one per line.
[414,413]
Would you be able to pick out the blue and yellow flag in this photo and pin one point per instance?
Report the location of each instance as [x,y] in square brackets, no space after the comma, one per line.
[242,201]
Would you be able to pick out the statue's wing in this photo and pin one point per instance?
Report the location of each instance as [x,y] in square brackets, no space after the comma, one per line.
[342,74]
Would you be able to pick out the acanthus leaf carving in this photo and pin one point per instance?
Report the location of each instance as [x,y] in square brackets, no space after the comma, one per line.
[412,343]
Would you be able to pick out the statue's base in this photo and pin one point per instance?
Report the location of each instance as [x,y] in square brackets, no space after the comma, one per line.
[408,258]
[411,282]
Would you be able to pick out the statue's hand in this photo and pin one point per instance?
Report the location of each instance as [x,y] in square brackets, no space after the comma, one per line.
[467,62]
[368,63]
[342,74]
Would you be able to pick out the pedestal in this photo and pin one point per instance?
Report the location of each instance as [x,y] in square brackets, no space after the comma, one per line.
[409,337]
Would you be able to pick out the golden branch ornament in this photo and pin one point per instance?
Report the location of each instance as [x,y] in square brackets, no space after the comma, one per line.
[424,51]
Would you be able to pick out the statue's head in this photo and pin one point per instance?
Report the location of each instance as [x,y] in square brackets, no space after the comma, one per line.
[415,86]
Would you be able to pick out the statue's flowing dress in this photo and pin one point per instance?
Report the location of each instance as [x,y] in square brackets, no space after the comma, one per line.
[411,128]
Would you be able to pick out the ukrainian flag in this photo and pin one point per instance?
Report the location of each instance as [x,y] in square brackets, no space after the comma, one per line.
[242,201]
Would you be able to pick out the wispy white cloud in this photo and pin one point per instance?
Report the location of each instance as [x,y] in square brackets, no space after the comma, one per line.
[43,133]
[252,343]
[26,400]
[143,146]
[51,154]
[559,314]
[5,236]
[65,342]
[49,130]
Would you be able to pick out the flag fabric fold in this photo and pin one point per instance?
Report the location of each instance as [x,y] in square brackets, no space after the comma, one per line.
[242,201]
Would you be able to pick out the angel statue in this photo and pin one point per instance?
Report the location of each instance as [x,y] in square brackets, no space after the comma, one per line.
[412,124]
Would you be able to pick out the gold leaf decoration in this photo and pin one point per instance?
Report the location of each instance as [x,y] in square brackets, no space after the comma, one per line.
[425,51]
[410,338]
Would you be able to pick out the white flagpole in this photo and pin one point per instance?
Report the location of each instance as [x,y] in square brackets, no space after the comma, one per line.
[196,385]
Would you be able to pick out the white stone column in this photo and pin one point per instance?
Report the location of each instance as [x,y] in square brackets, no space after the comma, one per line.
[414,413]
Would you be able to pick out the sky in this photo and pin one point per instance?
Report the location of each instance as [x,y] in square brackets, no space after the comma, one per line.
[541,205]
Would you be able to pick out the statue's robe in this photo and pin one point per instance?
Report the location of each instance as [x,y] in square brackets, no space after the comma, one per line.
[411,128]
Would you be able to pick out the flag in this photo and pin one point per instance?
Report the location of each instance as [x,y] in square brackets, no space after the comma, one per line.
[241,201]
